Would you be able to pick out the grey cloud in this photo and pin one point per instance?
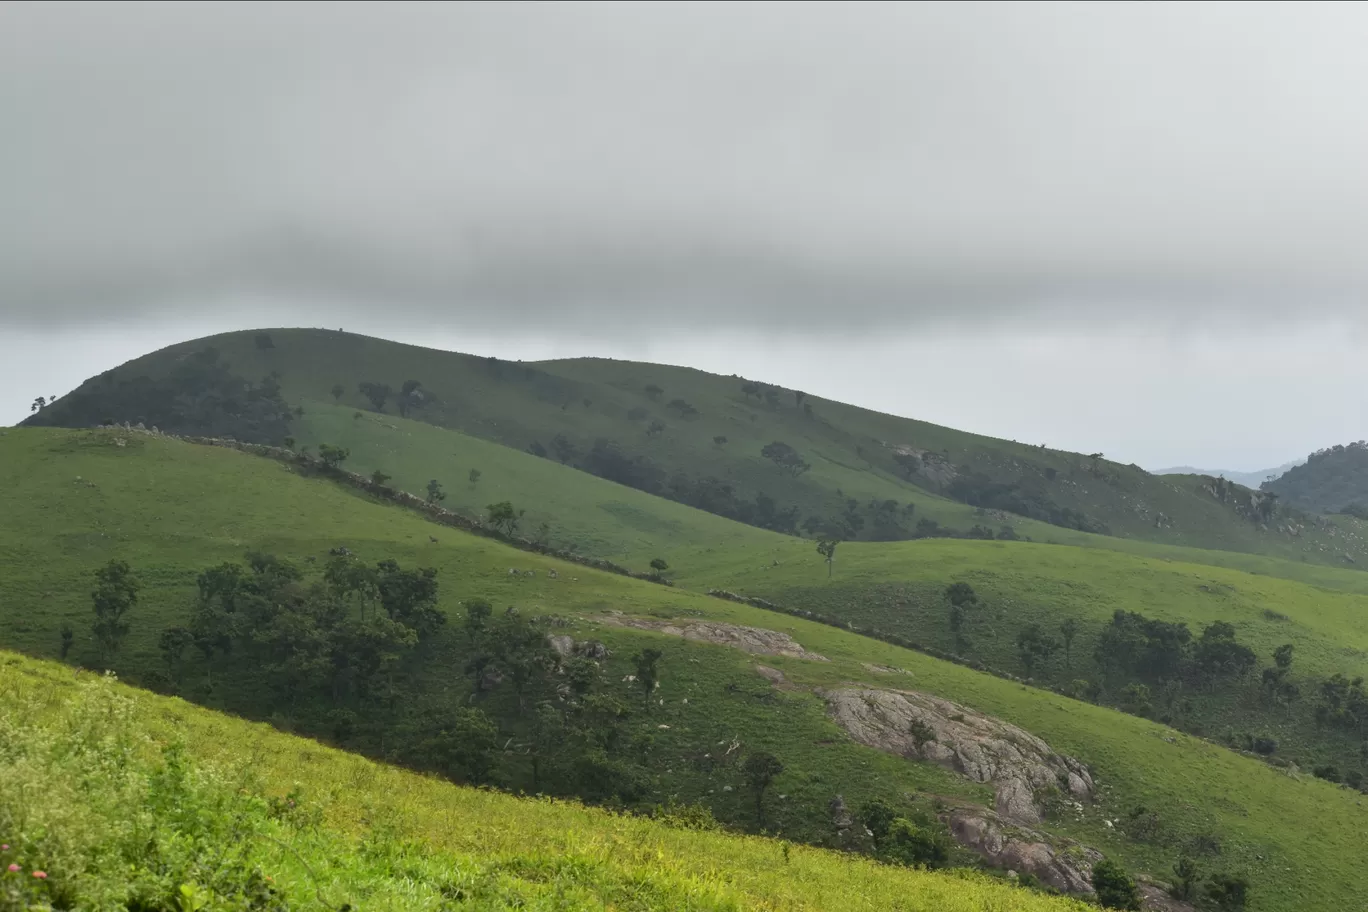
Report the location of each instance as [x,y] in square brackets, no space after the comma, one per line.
[856,164]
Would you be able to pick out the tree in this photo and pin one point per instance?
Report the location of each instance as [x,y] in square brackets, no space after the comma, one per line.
[1228,892]
[337,391]
[115,593]
[1219,655]
[478,613]
[1185,879]
[961,594]
[720,440]
[173,642]
[785,457]
[1069,630]
[647,674]
[68,639]
[38,404]
[503,517]
[877,817]
[332,456]
[655,428]
[1282,656]
[658,565]
[1034,645]
[435,494]
[827,548]
[263,341]
[772,397]
[653,392]
[475,476]
[798,397]
[410,396]
[378,478]
[749,389]
[563,449]
[684,408]
[377,393]
[761,769]
[1114,887]
[909,844]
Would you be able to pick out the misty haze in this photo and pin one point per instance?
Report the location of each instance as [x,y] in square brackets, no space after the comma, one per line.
[706,456]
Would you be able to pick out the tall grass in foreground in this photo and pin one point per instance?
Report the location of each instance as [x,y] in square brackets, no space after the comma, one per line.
[113,798]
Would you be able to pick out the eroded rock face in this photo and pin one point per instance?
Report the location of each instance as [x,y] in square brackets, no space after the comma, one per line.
[922,727]
[1024,851]
[754,640]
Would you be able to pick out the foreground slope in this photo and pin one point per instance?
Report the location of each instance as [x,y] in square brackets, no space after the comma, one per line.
[124,799]
[698,438]
[172,509]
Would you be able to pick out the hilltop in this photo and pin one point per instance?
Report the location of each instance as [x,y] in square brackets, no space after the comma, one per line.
[174,511]
[770,457]
[1333,480]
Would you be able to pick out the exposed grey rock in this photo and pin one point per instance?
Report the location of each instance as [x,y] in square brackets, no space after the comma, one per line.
[754,640]
[922,727]
[1024,851]
[592,649]
[561,645]
[773,675]
[1154,898]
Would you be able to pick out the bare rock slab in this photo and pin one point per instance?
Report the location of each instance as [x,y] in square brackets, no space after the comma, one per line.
[754,640]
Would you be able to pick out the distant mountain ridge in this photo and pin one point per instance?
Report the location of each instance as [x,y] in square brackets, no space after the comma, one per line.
[1248,479]
[1329,481]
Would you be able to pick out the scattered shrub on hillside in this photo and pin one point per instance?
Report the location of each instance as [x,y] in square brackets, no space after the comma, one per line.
[1227,892]
[1263,745]
[435,494]
[1329,772]
[1114,887]
[475,476]
[761,769]
[115,594]
[338,391]
[911,843]
[1354,779]
[785,457]
[504,517]
[332,456]
[653,391]
[68,639]
[378,478]
[720,440]
[377,393]
[563,449]
[682,816]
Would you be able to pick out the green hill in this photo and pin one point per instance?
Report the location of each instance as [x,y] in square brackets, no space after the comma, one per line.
[700,439]
[172,510]
[124,799]
[1331,480]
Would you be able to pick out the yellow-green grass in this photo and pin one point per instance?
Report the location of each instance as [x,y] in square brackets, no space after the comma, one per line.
[76,499]
[86,783]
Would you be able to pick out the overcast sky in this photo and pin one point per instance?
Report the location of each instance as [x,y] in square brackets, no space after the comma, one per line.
[1134,228]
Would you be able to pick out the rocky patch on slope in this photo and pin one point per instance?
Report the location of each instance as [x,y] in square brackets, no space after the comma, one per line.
[922,727]
[754,640]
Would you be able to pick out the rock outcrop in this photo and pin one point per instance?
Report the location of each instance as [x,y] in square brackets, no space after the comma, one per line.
[754,640]
[922,727]
[1025,851]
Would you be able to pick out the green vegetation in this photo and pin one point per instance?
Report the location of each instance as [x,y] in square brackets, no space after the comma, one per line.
[172,511]
[1333,480]
[122,799]
[792,461]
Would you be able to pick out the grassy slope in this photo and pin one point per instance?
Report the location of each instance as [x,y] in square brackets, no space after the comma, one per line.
[847,446]
[605,519]
[172,508]
[85,771]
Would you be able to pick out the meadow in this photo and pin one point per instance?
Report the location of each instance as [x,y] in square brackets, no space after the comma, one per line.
[170,509]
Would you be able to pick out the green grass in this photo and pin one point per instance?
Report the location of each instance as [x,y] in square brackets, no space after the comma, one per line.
[171,509]
[124,799]
[849,449]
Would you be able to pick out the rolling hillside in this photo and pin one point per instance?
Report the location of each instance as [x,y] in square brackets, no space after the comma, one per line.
[698,438]
[238,813]
[1330,481]
[172,510]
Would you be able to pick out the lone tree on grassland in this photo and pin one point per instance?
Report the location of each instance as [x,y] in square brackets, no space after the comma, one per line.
[475,476]
[377,393]
[827,548]
[337,391]
[647,674]
[435,494]
[761,769]
[116,592]
[785,457]
[332,456]
[379,478]
[502,516]
[658,565]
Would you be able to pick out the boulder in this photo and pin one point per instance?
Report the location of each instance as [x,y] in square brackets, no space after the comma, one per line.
[982,748]
[562,645]
[1024,851]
